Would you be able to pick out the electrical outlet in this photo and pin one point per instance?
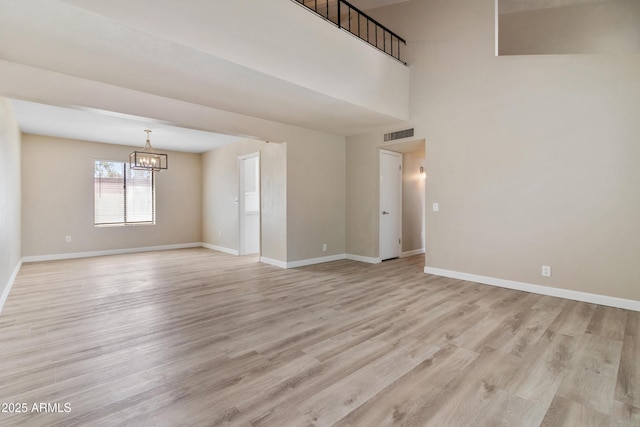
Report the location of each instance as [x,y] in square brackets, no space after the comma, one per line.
[67,239]
[546,270]
[324,247]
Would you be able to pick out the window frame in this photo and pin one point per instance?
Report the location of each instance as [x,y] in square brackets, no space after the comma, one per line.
[126,170]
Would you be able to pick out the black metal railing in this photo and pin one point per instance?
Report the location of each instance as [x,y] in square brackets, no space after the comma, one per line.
[352,19]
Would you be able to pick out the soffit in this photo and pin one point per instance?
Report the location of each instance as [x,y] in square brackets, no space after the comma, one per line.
[112,128]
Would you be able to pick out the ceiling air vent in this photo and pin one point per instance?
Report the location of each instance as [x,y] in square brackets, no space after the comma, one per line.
[392,136]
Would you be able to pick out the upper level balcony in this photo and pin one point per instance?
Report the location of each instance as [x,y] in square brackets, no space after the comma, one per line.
[346,16]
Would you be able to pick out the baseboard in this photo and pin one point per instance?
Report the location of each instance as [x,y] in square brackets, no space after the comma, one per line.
[369,260]
[626,304]
[273,262]
[312,261]
[320,260]
[220,249]
[412,253]
[89,254]
[7,289]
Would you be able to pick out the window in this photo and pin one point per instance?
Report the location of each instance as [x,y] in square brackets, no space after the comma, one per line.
[122,195]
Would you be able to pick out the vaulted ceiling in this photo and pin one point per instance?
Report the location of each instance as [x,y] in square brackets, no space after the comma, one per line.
[76,49]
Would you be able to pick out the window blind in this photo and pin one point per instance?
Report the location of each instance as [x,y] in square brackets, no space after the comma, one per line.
[122,195]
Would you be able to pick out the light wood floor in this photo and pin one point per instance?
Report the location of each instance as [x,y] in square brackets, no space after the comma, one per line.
[196,337]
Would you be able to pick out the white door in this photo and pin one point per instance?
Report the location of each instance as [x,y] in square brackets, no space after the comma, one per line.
[249,204]
[390,204]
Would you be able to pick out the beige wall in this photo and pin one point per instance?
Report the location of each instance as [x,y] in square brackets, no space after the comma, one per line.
[602,27]
[412,202]
[533,159]
[316,197]
[57,199]
[303,195]
[303,205]
[10,193]
[363,195]
[363,192]
[220,192]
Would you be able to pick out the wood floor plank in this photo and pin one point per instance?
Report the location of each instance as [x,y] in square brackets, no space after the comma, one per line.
[479,396]
[573,319]
[415,397]
[548,362]
[628,383]
[564,412]
[197,337]
[591,380]
[337,400]
[608,322]
[624,415]
[281,402]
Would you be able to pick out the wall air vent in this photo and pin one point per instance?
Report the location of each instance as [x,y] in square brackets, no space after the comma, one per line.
[392,136]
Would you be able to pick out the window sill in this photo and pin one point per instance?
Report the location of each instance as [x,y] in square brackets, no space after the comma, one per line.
[133,224]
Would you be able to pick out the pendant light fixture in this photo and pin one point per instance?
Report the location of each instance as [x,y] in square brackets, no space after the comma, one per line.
[148,159]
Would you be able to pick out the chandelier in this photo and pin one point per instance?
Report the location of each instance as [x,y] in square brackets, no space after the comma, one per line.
[148,159]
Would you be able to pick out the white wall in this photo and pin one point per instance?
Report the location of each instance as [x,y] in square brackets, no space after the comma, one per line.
[533,159]
[10,194]
[57,199]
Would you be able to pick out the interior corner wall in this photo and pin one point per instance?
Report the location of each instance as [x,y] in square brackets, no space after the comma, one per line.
[10,195]
[532,159]
[57,199]
[316,195]
[220,194]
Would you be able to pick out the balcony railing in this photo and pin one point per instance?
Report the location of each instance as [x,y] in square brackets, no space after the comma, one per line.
[352,19]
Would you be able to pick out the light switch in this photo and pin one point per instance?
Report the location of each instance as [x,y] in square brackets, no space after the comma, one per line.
[436,207]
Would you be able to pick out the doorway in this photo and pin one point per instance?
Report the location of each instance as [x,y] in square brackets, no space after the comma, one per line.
[249,203]
[390,204]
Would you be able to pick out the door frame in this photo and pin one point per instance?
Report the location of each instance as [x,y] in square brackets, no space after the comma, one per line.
[399,207]
[241,187]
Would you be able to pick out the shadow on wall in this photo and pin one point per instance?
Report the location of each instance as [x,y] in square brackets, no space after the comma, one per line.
[568,27]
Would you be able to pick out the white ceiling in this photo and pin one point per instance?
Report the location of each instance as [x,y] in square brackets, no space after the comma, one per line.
[112,128]
[72,38]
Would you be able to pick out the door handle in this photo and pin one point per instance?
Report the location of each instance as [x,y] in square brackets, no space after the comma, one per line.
[385,213]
